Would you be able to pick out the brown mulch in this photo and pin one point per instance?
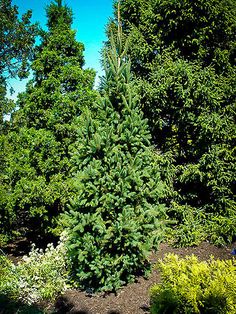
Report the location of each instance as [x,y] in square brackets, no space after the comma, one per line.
[133,298]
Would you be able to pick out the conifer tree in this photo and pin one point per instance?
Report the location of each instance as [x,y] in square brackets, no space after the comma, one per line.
[117,216]
[183,56]
[60,87]
[36,182]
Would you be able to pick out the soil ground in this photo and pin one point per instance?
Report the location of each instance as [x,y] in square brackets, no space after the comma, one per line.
[131,299]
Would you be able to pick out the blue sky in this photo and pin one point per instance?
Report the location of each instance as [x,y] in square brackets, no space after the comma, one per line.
[90,19]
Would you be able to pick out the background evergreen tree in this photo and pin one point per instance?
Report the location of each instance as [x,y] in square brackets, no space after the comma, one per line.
[35,181]
[202,31]
[117,215]
[183,56]
[60,87]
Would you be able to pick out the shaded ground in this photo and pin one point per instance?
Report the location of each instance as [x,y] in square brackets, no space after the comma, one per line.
[131,299]
[134,298]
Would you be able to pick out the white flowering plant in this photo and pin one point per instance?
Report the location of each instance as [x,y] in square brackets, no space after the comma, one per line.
[39,276]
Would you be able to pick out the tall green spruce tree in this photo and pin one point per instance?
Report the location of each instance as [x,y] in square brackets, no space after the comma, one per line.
[36,180]
[183,56]
[117,216]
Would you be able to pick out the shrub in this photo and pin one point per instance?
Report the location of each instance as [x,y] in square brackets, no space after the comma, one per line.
[40,276]
[191,227]
[190,286]
[9,283]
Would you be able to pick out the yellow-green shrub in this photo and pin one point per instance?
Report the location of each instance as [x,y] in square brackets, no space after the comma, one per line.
[190,286]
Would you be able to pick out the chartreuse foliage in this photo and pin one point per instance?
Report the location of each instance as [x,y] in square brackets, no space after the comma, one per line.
[117,216]
[190,286]
[183,56]
[35,179]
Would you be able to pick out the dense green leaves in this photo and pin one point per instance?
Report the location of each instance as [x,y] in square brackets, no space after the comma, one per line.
[201,30]
[183,56]
[16,40]
[60,87]
[32,179]
[67,144]
[17,37]
[35,177]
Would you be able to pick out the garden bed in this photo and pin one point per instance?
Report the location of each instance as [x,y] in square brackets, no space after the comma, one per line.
[131,299]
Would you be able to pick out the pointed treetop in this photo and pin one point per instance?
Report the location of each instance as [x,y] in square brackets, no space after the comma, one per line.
[119,32]
[119,20]
[59,3]
[116,62]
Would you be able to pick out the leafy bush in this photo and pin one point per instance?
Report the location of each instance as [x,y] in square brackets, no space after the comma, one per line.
[197,124]
[191,227]
[27,193]
[9,283]
[190,286]
[40,276]
[222,229]
[3,239]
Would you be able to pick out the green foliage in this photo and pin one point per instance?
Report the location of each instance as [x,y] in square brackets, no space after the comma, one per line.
[117,215]
[40,276]
[3,240]
[195,226]
[201,30]
[190,107]
[9,277]
[32,180]
[191,226]
[221,229]
[192,112]
[190,286]
[17,37]
[60,87]
[183,57]
[36,165]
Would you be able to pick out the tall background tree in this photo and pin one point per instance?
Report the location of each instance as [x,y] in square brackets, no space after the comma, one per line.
[36,180]
[183,56]
[17,38]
